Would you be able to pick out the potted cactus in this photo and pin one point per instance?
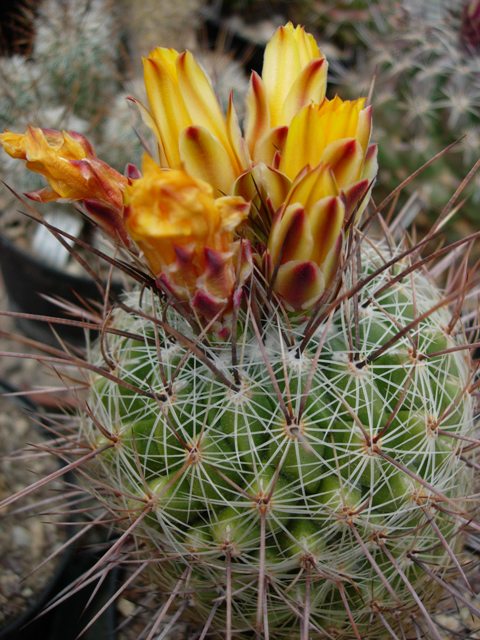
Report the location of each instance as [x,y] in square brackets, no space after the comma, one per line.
[280,413]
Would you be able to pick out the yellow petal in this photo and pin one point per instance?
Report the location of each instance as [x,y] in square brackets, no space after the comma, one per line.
[204,157]
[167,106]
[364,127]
[310,86]
[201,102]
[289,51]
[315,127]
[326,218]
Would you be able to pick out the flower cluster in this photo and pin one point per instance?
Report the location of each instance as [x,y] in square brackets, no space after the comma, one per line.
[288,184]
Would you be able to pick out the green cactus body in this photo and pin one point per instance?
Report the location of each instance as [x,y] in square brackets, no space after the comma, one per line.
[286,480]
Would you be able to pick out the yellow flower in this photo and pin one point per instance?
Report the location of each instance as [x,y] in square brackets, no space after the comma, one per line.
[294,74]
[304,163]
[305,242]
[192,132]
[186,235]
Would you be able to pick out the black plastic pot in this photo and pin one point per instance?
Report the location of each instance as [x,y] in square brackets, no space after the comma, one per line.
[26,278]
[66,621]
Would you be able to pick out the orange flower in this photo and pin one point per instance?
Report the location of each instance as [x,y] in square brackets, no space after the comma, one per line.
[68,162]
[186,235]
[73,171]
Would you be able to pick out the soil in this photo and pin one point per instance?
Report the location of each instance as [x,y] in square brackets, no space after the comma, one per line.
[26,537]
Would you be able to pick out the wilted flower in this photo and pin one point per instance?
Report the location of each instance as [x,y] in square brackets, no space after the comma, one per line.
[187,235]
[68,162]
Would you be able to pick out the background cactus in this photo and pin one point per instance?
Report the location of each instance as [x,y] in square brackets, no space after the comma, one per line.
[426,96]
[69,81]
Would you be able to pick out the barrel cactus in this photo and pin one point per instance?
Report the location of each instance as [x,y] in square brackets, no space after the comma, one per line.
[280,412]
[305,486]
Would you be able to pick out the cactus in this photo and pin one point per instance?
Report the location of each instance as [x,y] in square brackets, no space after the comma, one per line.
[301,476]
[280,413]
[76,46]
[427,96]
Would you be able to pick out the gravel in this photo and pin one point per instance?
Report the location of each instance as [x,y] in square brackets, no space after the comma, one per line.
[26,538]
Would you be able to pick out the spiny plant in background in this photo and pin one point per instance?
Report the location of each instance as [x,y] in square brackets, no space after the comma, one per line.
[280,412]
[426,62]
[70,80]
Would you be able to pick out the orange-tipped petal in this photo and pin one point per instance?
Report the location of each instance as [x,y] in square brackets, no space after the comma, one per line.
[345,157]
[354,195]
[270,145]
[310,86]
[326,218]
[290,237]
[313,185]
[204,157]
